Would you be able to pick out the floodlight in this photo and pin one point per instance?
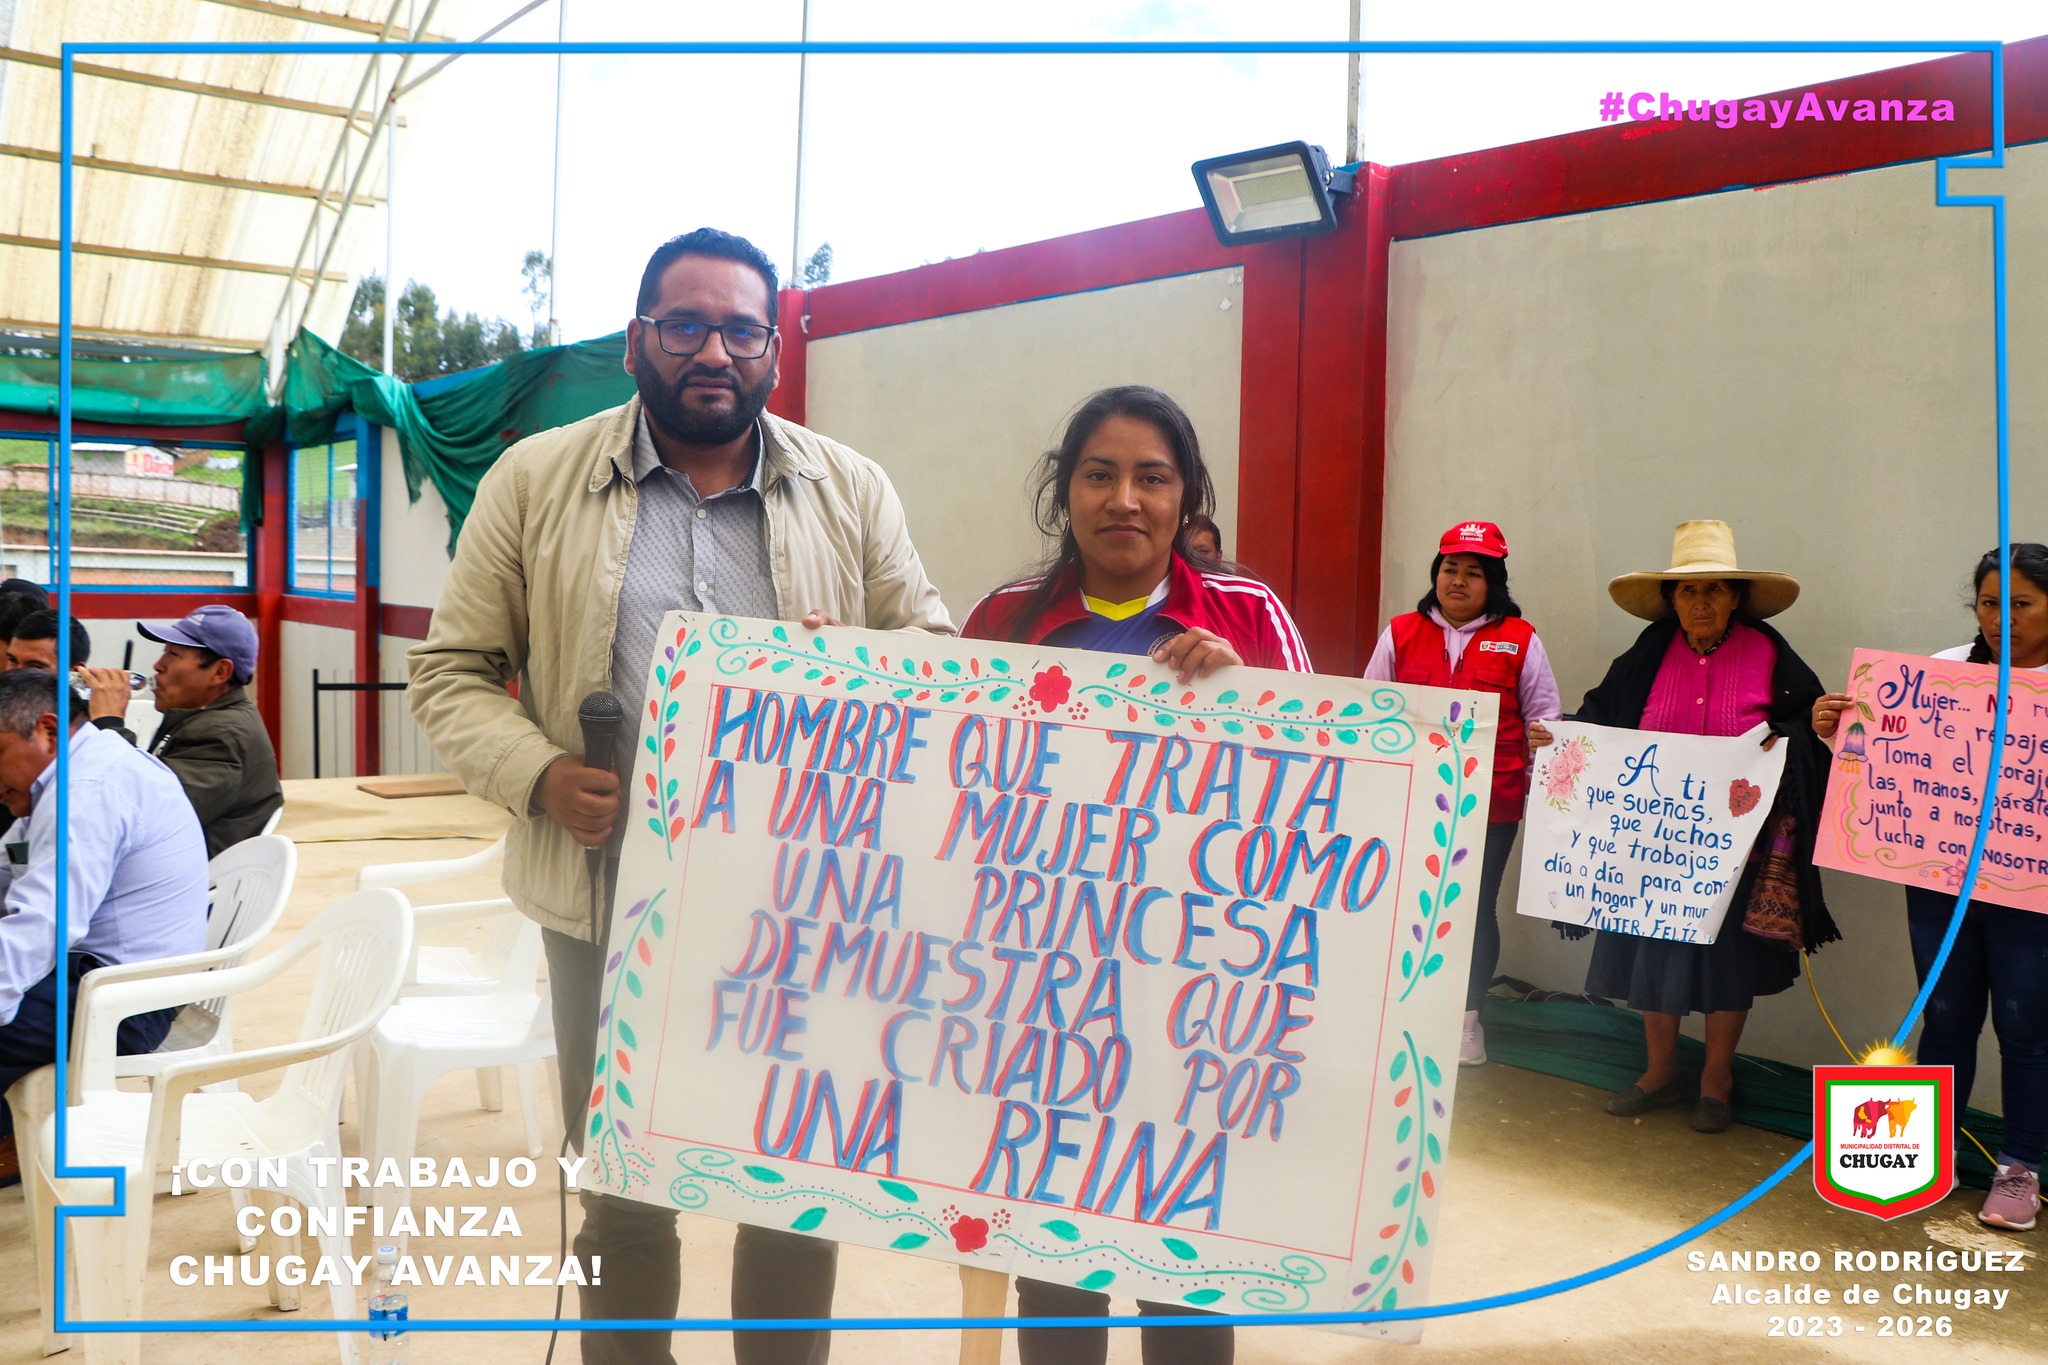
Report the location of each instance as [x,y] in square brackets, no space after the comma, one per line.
[1287,190]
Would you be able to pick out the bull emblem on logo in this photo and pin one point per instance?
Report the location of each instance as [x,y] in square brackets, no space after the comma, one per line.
[1867,1115]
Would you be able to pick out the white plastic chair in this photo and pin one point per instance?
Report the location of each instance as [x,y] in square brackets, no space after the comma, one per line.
[248,887]
[441,970]
[270,825]
[459,1010]
[438,969]
[363,941]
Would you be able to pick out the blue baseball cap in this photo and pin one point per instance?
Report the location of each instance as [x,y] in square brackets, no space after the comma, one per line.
[223,630]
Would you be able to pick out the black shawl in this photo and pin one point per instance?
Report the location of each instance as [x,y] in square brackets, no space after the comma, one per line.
[1621,696]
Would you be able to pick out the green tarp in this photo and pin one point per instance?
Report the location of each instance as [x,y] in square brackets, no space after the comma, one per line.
[448,436]
[154,393]
[451,436]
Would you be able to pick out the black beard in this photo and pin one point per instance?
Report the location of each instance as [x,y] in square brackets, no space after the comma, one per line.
[665,408]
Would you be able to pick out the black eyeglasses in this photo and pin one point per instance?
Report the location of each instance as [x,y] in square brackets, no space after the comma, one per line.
[681,336]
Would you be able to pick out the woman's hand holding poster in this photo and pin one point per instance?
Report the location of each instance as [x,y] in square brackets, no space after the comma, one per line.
[1041,961]
[1642,832]
[1907,790]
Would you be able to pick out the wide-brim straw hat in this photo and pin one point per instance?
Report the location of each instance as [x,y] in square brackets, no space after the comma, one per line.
[1702,549]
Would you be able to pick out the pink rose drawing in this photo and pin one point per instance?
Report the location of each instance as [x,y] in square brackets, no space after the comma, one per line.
[1051,688]
[1743,796]
[1561,774]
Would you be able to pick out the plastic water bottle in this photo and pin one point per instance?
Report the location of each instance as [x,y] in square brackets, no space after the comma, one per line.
[388,1341]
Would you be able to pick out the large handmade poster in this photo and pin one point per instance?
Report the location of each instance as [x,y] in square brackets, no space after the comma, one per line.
[1039,961]
[1911,759]
[1642,832]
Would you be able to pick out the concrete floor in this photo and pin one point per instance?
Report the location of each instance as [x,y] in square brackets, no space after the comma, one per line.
[1540,1184]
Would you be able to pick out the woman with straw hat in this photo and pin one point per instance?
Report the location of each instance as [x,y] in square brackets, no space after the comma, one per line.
[1707,664]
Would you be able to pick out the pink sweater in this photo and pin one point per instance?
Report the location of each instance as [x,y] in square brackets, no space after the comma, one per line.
[1726,692]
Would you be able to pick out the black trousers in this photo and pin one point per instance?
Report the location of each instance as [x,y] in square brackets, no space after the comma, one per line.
[30,1040]
[775,1274]
[1180,1337]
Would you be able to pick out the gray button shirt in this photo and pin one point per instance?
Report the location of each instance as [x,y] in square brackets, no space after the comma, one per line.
[688,554]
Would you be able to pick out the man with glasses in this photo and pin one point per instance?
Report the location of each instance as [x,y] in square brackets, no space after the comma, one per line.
[690,497]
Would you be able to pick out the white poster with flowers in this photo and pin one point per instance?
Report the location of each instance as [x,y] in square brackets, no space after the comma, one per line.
[1643,832]
[1041,961]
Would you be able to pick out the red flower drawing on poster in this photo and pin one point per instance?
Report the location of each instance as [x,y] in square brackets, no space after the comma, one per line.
[1051,688]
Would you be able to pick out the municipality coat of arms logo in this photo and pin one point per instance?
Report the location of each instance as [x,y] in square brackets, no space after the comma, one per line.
[1883,1137]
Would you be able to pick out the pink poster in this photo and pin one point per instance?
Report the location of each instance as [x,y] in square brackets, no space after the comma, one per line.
[1911,761]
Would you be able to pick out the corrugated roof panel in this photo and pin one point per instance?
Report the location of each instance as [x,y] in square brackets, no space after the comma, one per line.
[139,238]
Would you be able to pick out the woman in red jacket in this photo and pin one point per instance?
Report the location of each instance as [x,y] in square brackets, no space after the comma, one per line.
[1467,632]
[1118,495]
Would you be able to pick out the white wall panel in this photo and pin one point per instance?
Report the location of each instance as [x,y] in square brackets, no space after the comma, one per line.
[958,409]
[1810,362]
[332,651]
[414,536]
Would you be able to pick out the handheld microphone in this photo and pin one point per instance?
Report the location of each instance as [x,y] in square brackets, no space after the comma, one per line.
[601,717]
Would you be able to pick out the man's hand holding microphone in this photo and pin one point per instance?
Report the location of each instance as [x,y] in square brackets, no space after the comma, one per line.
[581,799]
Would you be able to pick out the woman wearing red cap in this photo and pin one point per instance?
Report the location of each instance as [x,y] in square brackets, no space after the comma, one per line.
[1467,632]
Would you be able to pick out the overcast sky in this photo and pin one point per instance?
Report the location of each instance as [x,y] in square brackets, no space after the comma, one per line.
[914,159]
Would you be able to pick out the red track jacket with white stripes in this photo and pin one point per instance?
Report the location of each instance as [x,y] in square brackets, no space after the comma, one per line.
[1243,611]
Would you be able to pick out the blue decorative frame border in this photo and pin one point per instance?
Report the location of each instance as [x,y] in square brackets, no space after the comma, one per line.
[1995,160]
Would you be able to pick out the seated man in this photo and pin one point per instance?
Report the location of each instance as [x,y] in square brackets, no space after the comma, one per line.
[211,736]
[136,883]
[18,597]
[33,644]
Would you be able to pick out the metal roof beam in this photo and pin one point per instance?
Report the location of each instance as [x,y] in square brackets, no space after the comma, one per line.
[162,257]
[380,130]
[313,16]
[493,31]
[225,182]
[337,167]
[17,330]
[226,92]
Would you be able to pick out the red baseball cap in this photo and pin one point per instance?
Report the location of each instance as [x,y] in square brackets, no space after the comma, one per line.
[1474,538]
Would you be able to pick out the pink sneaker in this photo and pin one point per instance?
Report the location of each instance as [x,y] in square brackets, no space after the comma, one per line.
[1472,1043]
[2014,1200]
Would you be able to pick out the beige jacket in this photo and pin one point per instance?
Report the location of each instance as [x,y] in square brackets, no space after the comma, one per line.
[534,595]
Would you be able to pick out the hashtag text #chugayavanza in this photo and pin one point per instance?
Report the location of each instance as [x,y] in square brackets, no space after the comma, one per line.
[1643,106]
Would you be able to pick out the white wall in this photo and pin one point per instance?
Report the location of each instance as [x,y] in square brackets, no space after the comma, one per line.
[405,747]
[414,553]
[305,648]
[958,409]
[414,535]
[1810,362]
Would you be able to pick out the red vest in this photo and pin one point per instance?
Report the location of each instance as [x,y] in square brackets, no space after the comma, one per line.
[1492,662]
